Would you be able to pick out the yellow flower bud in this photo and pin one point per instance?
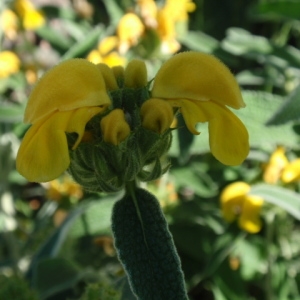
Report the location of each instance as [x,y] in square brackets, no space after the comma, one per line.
[114,127]
[108,76]
[157,115]
[119,74]
[135,74]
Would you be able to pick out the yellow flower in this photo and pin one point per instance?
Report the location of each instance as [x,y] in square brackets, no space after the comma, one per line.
[278,161]
[9,23]
[168,16]
[106,53]
[64,187]
[167,32]
[130,29]
[31,17]
[237,204]
[114,127]
[148,11]
[179,9]
[201,87]
[64,100]
[9,64]
[291,172]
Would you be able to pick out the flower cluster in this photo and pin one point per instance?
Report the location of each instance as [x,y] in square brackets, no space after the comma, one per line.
[152,26]
[279,168]
[115,126]
[22,15]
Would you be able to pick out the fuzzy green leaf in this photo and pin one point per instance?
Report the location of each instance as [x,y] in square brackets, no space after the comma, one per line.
[146,249]
[277,10]
[282,197]
[288,111]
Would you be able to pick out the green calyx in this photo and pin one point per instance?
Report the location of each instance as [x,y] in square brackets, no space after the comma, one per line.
[102,166]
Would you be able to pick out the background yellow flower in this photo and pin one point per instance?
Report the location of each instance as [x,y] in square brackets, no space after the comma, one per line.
[236,204]
[30,16]
[9,63]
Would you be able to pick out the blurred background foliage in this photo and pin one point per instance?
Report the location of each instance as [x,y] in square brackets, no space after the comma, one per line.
[236,228]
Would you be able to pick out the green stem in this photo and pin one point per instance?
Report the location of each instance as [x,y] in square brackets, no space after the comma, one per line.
[131,187]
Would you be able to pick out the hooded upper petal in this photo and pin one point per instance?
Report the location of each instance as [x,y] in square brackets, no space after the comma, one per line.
[157,115]
[114,127]
[197,76]
[70,85]
[43,154]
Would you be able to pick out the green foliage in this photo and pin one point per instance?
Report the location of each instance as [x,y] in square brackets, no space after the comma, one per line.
[54,275]
[145,247]
[16,288]
[64,249]
[288,111]
[281,197]
[100,291]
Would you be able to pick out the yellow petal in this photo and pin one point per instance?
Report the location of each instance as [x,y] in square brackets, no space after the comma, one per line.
[291,172]
[108,76]
[278,161]
[95,57]
[130,28]
[234,190]
[197,76]
[135,74]
[191,112]
[43,154]
[33,19]
[9,63]
[72,84]
[249,219]
[157,115]
[22,6]
[114,59]
[108,44]
[79,119]
[228,137]
[233,208]
[9,23]
[114,127]
[232,200]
